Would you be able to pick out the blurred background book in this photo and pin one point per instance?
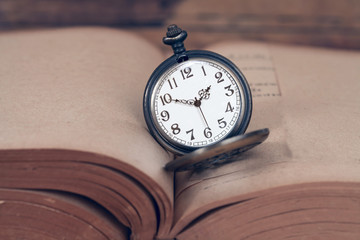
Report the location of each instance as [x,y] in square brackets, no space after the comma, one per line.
[328,23]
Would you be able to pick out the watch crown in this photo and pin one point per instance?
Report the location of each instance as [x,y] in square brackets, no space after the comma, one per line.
[173,30]
[175,37]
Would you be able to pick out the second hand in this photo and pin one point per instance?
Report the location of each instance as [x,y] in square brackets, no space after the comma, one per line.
[197,103]
[207,125]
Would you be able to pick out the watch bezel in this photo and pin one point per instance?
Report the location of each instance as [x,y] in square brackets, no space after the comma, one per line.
[241,124]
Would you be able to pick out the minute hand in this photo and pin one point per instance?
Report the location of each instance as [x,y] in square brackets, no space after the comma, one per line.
[189,102]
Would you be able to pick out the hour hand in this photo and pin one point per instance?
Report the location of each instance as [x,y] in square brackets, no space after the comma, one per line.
[204,93]
[183,101]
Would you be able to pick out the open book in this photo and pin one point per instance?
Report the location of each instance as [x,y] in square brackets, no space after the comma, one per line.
[77,162]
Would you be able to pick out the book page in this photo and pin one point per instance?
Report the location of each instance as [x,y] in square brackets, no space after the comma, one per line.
[34,214]
[308,98]
[82,89]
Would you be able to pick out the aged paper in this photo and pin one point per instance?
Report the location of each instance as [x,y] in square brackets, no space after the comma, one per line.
[81,89]
[313,118]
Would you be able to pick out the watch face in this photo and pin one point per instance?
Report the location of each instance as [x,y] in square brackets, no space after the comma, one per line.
[197,103]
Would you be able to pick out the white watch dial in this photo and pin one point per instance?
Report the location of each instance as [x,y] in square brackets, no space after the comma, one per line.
[197,103]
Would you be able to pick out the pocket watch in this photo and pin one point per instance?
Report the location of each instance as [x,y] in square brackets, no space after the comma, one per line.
[195,99]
